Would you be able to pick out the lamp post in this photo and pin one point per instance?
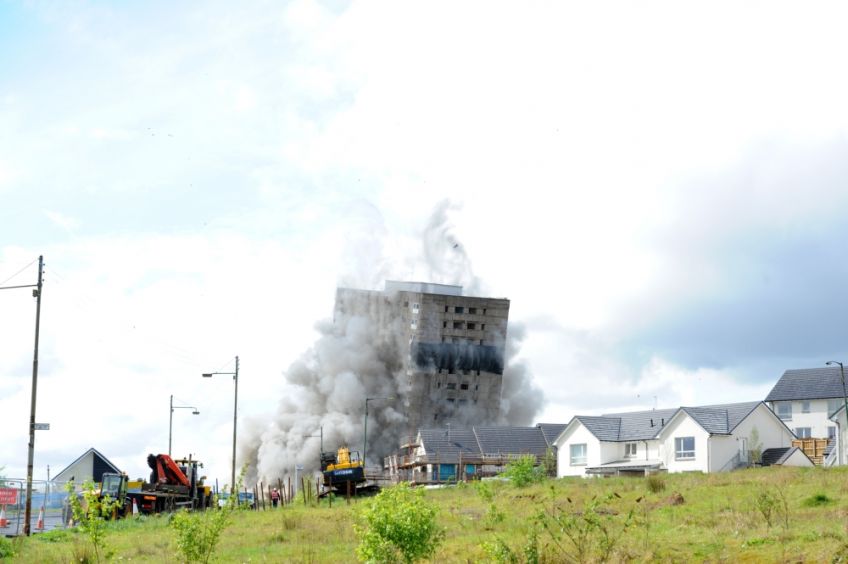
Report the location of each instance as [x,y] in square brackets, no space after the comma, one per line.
[36,293]
[844,397]
[365,431]
[171,420]
[235,415]
[321,451]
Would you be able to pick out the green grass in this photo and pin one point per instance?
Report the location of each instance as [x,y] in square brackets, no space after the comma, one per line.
[718,520]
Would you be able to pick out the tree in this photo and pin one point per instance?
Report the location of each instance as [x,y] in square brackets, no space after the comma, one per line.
[755,446]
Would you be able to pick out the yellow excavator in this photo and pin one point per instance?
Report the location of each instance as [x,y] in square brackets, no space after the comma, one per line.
[341,468]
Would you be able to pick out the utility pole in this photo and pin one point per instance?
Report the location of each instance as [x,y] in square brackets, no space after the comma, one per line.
[235,414]
[37,293]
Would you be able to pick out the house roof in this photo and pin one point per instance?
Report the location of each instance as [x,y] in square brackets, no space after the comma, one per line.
[642,425]
[645,425]
[780,455]
[511,440]
[550,431]
[449,444]
[721,419]
[808,383]
[97,453]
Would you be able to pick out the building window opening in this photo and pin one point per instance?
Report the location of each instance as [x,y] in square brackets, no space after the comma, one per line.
[459,309]
[684,448]
[451,385]
[457,324]
[472,310]
[463,386]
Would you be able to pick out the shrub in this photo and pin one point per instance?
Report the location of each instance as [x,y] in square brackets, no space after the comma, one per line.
[398,525]
[523,471]
[198,532]
[91,514]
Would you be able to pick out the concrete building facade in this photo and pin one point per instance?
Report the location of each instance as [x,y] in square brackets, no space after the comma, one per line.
[452,348]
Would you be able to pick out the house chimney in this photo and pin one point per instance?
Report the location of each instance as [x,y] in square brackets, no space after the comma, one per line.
[652,422]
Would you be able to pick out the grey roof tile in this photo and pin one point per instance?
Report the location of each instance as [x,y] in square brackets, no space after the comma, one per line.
[641,425]
[808,383]
[645,425]
[449,443]
[551,431]
[511,440]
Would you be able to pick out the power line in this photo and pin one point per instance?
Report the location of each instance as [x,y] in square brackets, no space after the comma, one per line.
[18,272]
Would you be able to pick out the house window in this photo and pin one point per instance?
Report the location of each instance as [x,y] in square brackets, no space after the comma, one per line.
[833,405]
[684,448]
[451,400]
[784,410]
[831,432]
[458,309]
[414,324]
[451,385]
[463,386]
[803,432]
[471,326]
[472,310]
[457,324]
[444,324]
[578,454]
[805,407]
[630,450]
[482,327]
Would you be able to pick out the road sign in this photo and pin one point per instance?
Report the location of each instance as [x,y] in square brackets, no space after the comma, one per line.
[41,426]
[8,496]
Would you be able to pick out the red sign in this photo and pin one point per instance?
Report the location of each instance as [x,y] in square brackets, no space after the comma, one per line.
[8,496]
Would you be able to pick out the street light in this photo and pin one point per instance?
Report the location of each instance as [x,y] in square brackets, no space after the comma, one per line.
[365,433]
[844,396]
[235,415]
[171,420]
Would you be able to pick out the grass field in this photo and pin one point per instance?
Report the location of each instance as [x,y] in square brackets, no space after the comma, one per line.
[677,517]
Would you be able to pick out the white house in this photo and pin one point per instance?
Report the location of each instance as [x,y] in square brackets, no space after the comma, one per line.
[805,399]
[707,439]
[89,466]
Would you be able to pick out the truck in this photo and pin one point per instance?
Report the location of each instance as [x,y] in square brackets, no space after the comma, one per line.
[174,484]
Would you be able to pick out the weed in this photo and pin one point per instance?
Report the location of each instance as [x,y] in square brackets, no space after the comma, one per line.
[817,500]
[7,549]
[592,533]
[656,483]
[500,552]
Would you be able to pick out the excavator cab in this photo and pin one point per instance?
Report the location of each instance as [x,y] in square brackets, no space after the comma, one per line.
[114,485]
[342,467]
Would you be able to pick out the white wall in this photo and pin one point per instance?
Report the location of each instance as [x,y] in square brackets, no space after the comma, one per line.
[772,433]
[798,458]
[817,419]
[576,435]
[684,426]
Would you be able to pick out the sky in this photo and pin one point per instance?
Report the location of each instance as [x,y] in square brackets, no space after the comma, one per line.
[658,187]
